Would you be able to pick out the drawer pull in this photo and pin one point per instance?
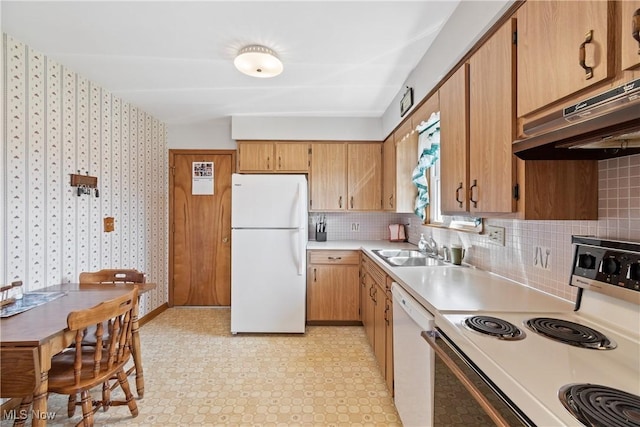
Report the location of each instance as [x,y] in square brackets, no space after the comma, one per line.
[458,195]
[334,258]
[474,201]
[588,38]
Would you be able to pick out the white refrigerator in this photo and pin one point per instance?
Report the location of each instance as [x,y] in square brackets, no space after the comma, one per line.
[268,253]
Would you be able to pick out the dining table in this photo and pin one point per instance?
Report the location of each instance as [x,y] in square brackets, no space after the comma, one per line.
[44,328]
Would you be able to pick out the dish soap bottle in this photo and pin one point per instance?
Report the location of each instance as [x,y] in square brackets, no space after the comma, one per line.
[422,243]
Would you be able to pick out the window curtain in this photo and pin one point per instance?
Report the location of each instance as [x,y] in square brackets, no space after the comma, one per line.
[428,154]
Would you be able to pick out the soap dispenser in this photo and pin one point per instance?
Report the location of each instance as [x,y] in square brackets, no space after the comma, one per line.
[422,243]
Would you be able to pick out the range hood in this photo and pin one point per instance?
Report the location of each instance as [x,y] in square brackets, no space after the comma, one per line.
[601,127]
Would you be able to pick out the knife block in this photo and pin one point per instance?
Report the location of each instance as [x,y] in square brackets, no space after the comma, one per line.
[321,236]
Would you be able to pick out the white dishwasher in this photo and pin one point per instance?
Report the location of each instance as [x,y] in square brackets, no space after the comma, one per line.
[413,360]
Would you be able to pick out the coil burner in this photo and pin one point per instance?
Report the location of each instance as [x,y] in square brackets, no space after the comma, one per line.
[494,326]
[598,405]
[570,333]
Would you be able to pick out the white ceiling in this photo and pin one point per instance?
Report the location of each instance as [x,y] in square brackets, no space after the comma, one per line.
[174,59]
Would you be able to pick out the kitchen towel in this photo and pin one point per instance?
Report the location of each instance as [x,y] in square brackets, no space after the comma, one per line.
[397,233]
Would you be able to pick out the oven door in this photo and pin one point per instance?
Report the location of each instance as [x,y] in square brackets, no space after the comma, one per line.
[463,395]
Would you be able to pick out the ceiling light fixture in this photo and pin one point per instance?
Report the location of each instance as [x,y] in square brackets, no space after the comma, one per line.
[258,61]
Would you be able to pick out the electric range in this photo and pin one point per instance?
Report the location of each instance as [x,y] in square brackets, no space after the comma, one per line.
[545,378]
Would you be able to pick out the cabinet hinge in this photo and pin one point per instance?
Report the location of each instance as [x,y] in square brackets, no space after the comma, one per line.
[516,191]
[515,37]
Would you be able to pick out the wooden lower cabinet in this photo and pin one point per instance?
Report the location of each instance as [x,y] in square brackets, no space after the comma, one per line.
[376,308]
[332,287]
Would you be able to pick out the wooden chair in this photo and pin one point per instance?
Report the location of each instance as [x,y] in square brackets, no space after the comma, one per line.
[110,277]
[114,276]
[19,378]
[81,368]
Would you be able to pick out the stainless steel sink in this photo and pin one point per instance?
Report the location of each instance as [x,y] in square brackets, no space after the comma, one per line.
[407,258]
[406,253]
[413,262]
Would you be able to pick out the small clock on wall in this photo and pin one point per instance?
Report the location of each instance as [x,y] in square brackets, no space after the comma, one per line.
[406,102]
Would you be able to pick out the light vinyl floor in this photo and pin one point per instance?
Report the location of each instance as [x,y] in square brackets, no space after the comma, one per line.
[197,373]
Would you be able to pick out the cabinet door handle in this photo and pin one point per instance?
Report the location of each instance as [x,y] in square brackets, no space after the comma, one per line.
[635,28]
[334,258]
[458,195]
[279,162]
[268,162]
[474,201]
[391,201]
[340,202]
[315,279]
[587,39]
[351,202]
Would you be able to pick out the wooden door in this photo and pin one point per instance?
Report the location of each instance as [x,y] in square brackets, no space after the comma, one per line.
[327,179]
[454,142]
[200,242]
[550,36]
[630,12]
[364,176]
[255,156]
[292,157]
[492,124]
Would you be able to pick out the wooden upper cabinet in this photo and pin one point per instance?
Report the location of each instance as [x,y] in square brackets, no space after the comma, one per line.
[389,174]
[454,142]
[630,46]
[552,37]
[346,176]
[400,156]
[492,168]
[292,157]
[364,174]
[271,156]
[328,177]
[255,156]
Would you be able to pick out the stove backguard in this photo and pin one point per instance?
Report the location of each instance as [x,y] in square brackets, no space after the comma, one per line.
[606,266]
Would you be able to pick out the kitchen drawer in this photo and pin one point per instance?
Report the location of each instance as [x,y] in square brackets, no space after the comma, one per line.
[334,257]
[377,273]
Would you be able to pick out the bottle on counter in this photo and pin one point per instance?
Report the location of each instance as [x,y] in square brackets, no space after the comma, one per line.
[422,243]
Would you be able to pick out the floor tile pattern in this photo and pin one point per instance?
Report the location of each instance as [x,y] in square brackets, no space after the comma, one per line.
[197,373]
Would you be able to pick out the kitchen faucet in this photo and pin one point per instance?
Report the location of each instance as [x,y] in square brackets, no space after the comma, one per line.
[432,247]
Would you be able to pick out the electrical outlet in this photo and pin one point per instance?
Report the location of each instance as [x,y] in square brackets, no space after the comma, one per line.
[542,258]
[355,226]
[496,234]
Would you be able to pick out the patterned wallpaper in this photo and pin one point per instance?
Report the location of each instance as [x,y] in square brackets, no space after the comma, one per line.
[58,123]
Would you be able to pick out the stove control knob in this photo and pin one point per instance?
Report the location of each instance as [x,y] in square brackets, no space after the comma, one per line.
[610,266]
[587,261]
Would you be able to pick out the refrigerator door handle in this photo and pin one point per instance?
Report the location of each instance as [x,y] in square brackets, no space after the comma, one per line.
[301,229]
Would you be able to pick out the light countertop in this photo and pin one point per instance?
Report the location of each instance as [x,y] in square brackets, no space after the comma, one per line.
[452,288]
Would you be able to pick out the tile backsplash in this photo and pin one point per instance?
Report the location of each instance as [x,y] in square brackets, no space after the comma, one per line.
[619,219]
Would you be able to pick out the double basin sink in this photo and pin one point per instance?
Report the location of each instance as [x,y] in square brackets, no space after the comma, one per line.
[407,258]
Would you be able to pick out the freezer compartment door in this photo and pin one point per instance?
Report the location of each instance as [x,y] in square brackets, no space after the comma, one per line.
[268,281]
[268,201]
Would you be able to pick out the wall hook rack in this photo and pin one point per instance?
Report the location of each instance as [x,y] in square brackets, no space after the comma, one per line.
[85,183]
